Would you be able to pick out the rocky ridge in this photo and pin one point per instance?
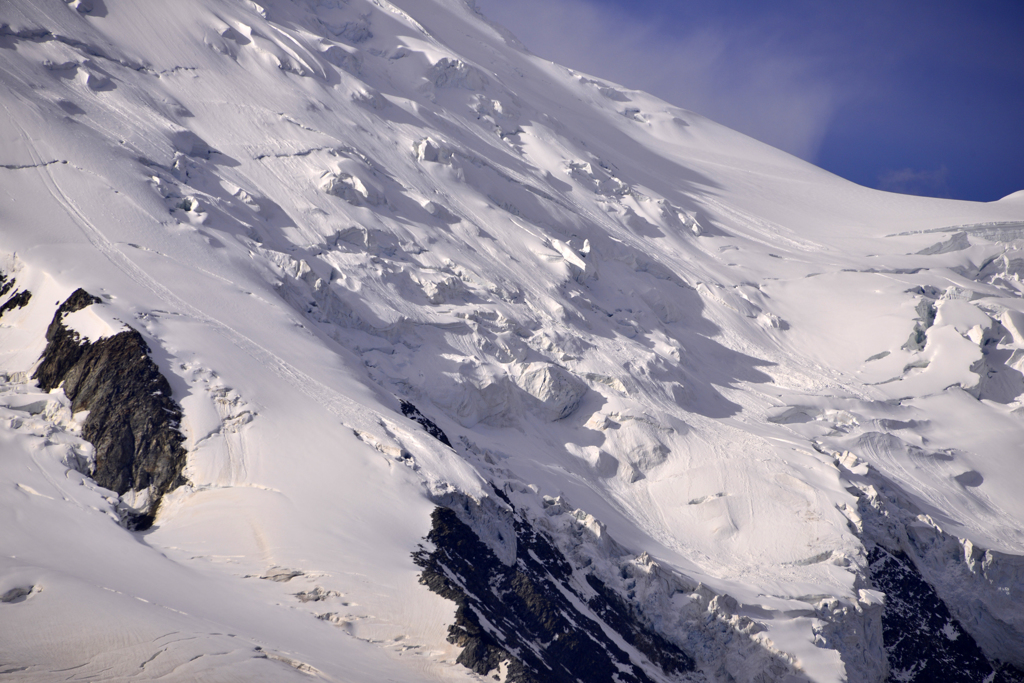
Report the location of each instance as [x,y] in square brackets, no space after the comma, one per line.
[133,421]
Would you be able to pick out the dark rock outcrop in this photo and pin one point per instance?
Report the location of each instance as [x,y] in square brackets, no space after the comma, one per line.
[615,612]
[922,639]
[413,413]
[17,300]
[530,615]
[133,422]
[5,284]
[924,643]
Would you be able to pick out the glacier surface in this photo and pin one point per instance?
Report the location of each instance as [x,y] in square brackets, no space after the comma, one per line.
[738,403]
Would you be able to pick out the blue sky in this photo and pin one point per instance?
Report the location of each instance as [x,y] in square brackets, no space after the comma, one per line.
[917,96]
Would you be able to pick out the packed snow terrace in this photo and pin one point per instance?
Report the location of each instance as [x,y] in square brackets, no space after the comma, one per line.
[349,340]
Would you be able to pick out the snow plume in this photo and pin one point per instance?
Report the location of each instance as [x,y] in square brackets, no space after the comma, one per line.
[925,183]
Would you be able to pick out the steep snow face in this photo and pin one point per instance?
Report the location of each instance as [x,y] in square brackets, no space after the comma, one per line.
[715,377]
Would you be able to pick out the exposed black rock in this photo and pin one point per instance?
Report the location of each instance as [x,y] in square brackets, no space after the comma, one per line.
[1007,673]
[413,413]
[923,641]
[133,422]
[63,346]
[5,284]
[614,611]
[530,615]
[17,300]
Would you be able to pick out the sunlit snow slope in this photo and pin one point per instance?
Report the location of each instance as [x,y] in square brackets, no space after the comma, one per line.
[716,377]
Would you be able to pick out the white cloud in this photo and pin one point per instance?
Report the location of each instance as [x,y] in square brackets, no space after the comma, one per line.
[746,77]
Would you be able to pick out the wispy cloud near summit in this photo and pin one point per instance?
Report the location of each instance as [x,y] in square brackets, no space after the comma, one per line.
[923,183]
[751,78]
[857,88]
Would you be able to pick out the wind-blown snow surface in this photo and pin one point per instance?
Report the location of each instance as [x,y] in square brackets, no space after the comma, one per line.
[314,210]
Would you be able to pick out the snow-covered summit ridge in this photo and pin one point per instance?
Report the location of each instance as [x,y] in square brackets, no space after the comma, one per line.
[315,210]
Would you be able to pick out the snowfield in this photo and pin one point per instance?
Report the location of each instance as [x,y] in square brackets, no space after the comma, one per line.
[725,386]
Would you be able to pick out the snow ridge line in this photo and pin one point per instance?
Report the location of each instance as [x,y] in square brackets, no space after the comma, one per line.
[965,227]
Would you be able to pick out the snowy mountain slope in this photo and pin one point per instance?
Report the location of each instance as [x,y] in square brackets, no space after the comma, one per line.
[681,356]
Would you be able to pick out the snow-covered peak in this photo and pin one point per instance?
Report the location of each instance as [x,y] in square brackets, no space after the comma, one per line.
[737,374]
